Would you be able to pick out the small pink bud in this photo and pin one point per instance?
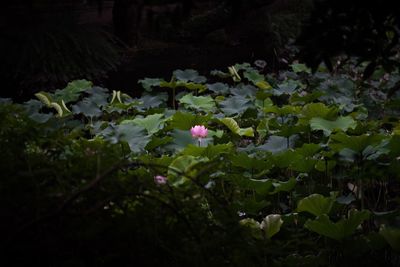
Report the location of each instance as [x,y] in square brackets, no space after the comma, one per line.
[199,131]
[159,179]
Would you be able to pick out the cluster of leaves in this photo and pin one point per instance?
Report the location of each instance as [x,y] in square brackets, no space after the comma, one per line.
[298,169]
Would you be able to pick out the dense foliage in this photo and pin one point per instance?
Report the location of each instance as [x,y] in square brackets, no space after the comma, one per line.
[297,169]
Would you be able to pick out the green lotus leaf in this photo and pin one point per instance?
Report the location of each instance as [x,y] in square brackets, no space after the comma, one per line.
[341,123]
[325,227]
[302,98]
[264,102]
[189,75]
[72,91]
[288,88]
[293,160]
[244,90]
[262,187]
[235,105]
[234,127]
[243,160]
[186,120]
[308,150]
[87,108]
[157,142]
[253,226]
[201,103]
[219,88]
[99,96]
[152,123]
[324,166]
[149,83]
[322,225]
[153,101]
[276,144]
[284,186]
[320,110]
[300,68]
[200,88]
[355,143]
[271,225]
[264,85]
[33,107]
[210,152]
[316,204]
[182,169]
[181,139]
[134,135]
[262,128]
[284,110]
[252,206]
[253,76]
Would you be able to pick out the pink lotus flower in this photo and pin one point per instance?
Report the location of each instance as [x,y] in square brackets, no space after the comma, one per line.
[159,179]
[199,131]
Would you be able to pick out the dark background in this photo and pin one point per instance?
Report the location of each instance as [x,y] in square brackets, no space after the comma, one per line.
[44,43]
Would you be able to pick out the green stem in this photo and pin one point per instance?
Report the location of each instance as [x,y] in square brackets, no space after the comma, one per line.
[173,97]
[360,184]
